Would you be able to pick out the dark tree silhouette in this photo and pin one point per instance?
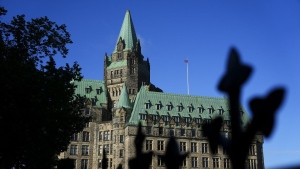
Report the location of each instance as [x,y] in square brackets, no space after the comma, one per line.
[39,110]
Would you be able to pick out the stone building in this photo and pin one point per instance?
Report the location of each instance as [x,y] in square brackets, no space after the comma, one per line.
[126,97]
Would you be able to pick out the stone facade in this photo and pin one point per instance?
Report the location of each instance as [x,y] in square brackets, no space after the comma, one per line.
[113,127]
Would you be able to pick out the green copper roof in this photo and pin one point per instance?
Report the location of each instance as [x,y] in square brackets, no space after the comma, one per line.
[176,100]
[113,65]
[94,90]
[124,99]
[127,32]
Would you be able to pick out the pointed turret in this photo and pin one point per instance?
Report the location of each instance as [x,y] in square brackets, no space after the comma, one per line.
[127,33]
[124,99]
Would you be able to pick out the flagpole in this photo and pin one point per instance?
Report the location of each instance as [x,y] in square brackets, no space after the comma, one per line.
[187,76]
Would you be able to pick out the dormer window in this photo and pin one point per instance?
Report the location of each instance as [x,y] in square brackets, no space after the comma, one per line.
[88,90]
[143,116]
[147,105]
[198,120]
[169,107]
[176,119]
[186,119]
[190,109]
[201,109]
[158,106]
[165,118]
[98,91]
[210,110]
[180,108]
[155,117]
[221,111]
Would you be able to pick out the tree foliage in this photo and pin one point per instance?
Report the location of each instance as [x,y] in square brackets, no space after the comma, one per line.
[39,110]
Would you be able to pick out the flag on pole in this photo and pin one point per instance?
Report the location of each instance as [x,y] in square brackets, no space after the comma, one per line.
[186,61]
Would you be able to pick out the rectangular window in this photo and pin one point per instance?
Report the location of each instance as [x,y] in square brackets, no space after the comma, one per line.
[180,108]
[172,132]
[210,110]
[100,136]
[148,144]
[85,150]
[182,146]
[190,109]
[74,137]
[98,91]
[226,163]
[217,150]
[176,119]
[85,136]
[204,147]
[121,138]
[160,145]
[111,149]
[143,116]
[216,162]
[252,164]
[221,111]
[100,150]
[73,150]
[148,129]
[106,148]
[122,153]
[201,109]
[165,118]
[121,118]
[84,163]
[182,132]
[88,90]
[159,161]
[184,162]
[169,107]
[158,106]
[194,162]
[74,163]
[160,130]
[193,133]
[106,135]
[87,124]
[87,111]
[198,120]
[193,147]
[252,150]
[99,163]
[147,105]
[110,162]
[204,162]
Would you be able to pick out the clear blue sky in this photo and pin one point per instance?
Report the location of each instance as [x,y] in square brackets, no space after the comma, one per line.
[266,33]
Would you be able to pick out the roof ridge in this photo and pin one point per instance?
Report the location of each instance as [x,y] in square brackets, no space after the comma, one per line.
[185,95]
[92,80]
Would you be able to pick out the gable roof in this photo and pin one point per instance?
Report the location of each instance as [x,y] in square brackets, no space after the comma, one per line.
[183,101]
[93,90]
[127,33]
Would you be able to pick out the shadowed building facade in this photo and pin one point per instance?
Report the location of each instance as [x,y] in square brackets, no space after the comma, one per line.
[126,97]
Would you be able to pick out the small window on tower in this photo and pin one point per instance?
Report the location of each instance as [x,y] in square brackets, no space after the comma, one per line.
[119,55]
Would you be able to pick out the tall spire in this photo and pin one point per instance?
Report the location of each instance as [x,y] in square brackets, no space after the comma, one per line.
[124,99]
[127,33]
